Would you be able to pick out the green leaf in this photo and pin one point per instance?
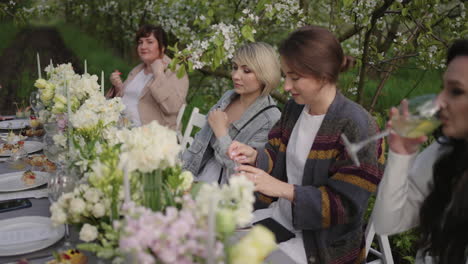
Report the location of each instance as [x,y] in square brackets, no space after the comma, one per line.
[190,66]
[92,247]
[404,11]
[196,188]
[181,71]
[260,6]
[347,3]
[247,32]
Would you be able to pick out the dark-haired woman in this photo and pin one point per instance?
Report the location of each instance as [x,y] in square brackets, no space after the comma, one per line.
[151,91]
[430,190]
[314,189]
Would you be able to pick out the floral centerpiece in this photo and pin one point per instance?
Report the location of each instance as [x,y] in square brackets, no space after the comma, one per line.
[151,164]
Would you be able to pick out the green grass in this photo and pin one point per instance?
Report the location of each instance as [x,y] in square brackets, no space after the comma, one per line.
[8,31]
[99,56]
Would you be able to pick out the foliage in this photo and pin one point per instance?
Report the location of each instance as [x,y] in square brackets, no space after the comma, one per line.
[382,35]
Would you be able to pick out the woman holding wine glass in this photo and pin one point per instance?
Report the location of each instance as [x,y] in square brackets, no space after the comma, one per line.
[430,189]
[315,196]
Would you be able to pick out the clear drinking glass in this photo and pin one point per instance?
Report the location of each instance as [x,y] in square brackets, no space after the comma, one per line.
[62,181]
[35,102]
[419,119]
[52,150]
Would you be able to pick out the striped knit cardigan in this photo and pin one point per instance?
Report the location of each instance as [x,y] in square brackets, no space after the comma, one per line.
[330,204]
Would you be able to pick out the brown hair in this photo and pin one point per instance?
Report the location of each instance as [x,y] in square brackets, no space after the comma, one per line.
[315,51]
[158,33]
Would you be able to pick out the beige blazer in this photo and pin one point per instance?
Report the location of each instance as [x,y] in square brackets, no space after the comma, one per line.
[162,97]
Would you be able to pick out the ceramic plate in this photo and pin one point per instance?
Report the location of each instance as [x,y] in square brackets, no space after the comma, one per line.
[54,234]
[11,182]
[14,124]
[29,146]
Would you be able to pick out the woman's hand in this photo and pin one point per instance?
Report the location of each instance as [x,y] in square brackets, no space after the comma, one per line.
[242,153]
[158,66]
[267,184]
[219,122]
[116,80]
[397,143]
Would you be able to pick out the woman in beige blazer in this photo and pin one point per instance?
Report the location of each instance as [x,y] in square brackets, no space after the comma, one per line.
[151,91]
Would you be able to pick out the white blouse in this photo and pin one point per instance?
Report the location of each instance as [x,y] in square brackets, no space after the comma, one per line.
[132,96]
[297,151]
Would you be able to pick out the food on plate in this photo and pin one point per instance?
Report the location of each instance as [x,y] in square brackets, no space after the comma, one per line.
[41,161]
[29,177]
[33,132]
[71,256]
[11,147]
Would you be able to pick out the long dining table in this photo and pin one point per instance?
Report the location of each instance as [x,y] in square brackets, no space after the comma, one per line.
[40,207]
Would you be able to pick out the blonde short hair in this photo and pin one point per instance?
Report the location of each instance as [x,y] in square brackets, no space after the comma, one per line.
[263,60]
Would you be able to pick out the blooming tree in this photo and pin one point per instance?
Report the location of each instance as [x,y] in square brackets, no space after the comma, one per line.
[204,34]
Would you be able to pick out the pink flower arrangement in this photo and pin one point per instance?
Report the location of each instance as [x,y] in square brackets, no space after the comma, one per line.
[173,236]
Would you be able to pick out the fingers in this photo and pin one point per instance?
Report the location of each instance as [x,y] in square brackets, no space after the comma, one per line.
[232,148]
[404,108]
[248,169]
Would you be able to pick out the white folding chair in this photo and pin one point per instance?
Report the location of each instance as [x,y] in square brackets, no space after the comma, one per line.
[196,119]
[385,256]
[180,114]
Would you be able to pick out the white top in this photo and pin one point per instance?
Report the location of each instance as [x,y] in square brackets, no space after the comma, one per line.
[132,94]
[404,187]
[297,151]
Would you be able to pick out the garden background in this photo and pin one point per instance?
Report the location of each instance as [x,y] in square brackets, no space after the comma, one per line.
[399,46]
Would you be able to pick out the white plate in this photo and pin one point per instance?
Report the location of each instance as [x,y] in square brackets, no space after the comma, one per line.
[14,124]
[19,223]
[11,182]
[29,146]
[4,136]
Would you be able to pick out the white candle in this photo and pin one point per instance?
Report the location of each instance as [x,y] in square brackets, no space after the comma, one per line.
[126,185]
[85,67]
[69,117]
[51,63]
[102,82]
[38,66]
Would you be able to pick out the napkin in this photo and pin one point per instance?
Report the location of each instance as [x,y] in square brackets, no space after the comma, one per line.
[38,193]
[25,235]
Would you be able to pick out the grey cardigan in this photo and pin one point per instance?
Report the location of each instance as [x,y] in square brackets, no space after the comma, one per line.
[254,134]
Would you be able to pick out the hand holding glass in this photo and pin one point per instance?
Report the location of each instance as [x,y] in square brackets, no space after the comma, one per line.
[418,117]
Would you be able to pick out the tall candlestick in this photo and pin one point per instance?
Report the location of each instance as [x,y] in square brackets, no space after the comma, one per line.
[126,185]
[85,67]
[38,66]
[102,82]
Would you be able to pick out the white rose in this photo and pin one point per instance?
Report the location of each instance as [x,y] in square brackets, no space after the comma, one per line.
[91,195]
[88,233]
[77,206]
[47,95]
[40,83]
[187,177]
[99,210]
[58,216]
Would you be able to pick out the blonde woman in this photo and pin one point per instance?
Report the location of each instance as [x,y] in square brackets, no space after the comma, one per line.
[245,113]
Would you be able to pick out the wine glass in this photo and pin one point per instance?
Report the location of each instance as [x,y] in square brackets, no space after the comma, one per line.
[35,102]
[34,124]
[17,158]
[419,118]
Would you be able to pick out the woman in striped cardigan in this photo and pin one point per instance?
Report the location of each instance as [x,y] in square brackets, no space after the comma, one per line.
[303,175]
